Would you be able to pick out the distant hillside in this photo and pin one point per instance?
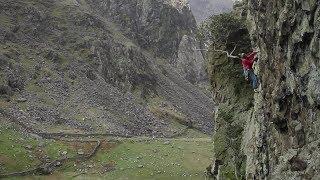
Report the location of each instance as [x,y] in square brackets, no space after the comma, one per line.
[124,67]
[202,9]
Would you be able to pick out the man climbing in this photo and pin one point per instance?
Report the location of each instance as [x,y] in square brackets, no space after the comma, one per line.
[247,61]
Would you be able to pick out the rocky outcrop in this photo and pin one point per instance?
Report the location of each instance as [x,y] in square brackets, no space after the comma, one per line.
[157,26]
[282,137]
[235,98]
[166,28]
[278,135]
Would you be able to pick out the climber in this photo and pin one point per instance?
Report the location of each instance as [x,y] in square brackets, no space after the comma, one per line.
[247,63]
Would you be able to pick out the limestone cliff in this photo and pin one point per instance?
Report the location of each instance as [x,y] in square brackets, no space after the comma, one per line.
[282,137]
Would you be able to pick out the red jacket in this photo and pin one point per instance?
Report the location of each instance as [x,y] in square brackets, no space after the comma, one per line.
[248,60]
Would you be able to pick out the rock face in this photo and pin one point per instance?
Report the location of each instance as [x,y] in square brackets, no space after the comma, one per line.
[235,98]
[203,9]
[282,137]
[105,66]
[190,62]
[154,25]
[275,131]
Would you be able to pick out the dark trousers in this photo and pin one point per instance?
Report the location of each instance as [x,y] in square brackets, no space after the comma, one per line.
[248,73]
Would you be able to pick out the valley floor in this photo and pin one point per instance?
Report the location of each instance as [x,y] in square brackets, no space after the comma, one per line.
[116,158]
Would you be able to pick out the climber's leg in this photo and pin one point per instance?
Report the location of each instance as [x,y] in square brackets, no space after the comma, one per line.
[246,74]
[254,79]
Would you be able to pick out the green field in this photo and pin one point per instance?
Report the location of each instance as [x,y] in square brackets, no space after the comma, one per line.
[122,158]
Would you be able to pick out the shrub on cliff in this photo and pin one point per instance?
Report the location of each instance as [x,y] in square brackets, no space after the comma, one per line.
[231,91]
[222,25]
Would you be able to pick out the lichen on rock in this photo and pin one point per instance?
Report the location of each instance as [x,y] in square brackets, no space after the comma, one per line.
[287,108]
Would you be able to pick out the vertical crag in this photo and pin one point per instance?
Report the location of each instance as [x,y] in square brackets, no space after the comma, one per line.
[235,98]
[282,138]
